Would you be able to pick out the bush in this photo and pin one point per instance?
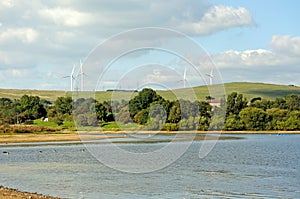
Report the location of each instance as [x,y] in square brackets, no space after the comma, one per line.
[26,129]
[171,127]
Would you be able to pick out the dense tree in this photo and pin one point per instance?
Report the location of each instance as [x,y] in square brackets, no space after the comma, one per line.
[154,112]
[263,104]
[63,105]
[276,119]
[253,118]
[175,113]
[7,112]
[29,108]
[104,111]
[232,123]
[123,115]
[292,102]
[142,101]
[293,121]
[235,103]
[279,103]
[142,116]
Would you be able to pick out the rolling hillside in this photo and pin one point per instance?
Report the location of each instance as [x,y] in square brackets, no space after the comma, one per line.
[249,90]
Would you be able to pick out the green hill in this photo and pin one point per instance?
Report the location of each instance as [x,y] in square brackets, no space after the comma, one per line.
[249,90]
[50,95]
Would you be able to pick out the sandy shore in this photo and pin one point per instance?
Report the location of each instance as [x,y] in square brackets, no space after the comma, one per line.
[7,193]
[96,135]
[21,138]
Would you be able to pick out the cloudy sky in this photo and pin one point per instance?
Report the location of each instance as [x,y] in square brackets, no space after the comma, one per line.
[40,41]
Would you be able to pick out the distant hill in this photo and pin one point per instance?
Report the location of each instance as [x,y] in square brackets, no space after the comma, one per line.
[249,90]
[50,95]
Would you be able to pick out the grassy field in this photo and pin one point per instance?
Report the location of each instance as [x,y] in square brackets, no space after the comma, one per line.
[249,90]
[50,95]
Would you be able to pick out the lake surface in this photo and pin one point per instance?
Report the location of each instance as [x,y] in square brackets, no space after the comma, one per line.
[260,166]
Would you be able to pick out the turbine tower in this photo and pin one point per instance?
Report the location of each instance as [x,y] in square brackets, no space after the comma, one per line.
[211,76]
[72,78]
[184,78]
[82,74]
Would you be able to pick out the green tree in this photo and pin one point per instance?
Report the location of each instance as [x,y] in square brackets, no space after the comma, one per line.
[293,121]
[233,123]
[263,104]
[175,113]
[7,111]
[101,111]
[279,103]
[29,108]
[205,109]
[293,102]
[253,118]
[63,105]
[276,118]
[142,100]
[235,103]
[141,117]
[123,115]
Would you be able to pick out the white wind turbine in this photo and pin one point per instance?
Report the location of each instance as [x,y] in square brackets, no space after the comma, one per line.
[81,74]
[211,76]
[184,78]
[72,78]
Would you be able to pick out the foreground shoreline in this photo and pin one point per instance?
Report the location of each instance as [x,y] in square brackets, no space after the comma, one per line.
[96,135]
[9,193]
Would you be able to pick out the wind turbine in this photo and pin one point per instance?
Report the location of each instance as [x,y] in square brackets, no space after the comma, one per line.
[72,78]
[184,78]
[211,76]
[82,74]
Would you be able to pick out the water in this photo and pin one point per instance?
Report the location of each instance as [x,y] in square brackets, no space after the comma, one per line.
[259,166]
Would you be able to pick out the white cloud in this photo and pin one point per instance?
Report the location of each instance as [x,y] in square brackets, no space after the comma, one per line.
[18,73]
[245,58]
[25,35]
[286,44]
[56,34]
[219,18]
[280,64]
[283,53]
[66,16]
[8,3]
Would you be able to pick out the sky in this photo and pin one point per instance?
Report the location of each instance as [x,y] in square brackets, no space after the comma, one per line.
[253,41]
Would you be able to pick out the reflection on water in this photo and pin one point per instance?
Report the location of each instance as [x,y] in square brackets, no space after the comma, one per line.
[260,166]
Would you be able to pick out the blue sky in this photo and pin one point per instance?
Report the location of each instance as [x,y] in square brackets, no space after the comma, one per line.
[40,41]
[270,17]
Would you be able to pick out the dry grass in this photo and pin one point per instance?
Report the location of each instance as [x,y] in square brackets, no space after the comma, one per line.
[8,193]
[13,129]
[96,135]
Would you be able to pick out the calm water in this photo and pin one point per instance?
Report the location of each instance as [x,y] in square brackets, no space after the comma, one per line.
[259,166]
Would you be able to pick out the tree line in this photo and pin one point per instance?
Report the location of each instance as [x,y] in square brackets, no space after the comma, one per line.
[150,111]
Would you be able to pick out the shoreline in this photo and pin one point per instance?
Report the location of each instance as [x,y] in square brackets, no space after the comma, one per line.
[10,193]
[98,135]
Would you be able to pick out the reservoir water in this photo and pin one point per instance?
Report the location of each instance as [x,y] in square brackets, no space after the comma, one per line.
[259,166]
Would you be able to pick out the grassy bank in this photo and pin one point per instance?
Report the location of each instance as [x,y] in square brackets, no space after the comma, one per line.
[100,135]
[9,193]
[249,90]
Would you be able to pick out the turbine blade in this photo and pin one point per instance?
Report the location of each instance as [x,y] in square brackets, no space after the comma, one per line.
[73,70]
